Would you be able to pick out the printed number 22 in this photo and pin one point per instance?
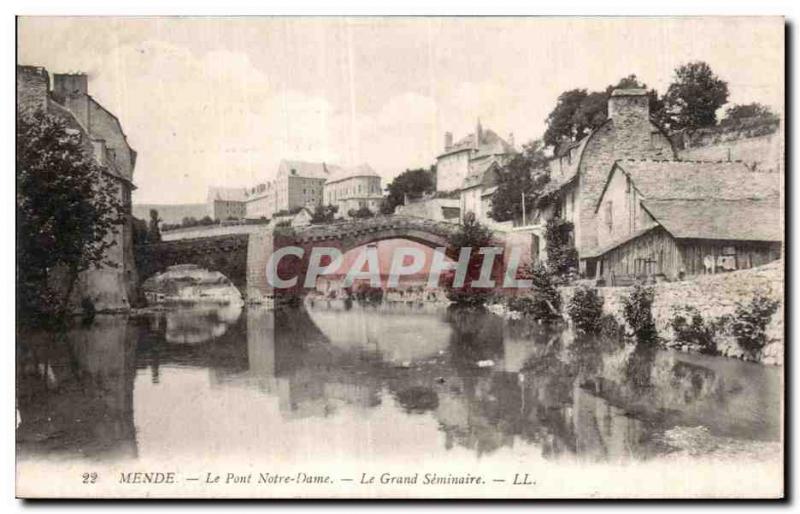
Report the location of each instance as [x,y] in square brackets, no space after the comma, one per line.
[89,478]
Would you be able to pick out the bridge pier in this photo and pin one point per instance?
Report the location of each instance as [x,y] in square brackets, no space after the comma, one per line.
[260,246]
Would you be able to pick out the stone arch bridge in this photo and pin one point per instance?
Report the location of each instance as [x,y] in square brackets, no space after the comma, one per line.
[242,254]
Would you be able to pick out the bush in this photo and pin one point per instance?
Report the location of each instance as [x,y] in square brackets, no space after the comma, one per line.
[546,304]
[586,310]
[611,329]
[472,234]
[638,313]
[750,322]
[690,327]
[361,213]
[562,257]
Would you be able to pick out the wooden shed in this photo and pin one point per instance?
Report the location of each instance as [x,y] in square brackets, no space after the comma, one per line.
[675,219]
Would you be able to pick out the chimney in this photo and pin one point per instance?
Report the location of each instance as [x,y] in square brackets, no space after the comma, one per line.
[478,134]
[511,140]
[71,90]
[70,84]
[448,140]
[629,105]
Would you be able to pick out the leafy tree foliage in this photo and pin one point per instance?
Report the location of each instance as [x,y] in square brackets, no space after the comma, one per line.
[154,232]
[578,112]
[693,98]
[361,213]
[67,208]
[637,309]
[412,183]
[586,310]
[738,112]
[324,213]
[546,305]
[562,257]
[471,234]
[524,175]
[750,322]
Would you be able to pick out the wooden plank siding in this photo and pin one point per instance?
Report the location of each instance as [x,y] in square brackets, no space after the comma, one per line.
[748,253]
[652,253]
[658,253]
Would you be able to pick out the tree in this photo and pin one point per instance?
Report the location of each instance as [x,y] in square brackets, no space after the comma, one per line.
[361,213]
[738,112]
[578,112]
[471,234]
[67,207]
[560,121]
[524,175]
[154,234]
[413,183]
[562,258]
[692,100]
[324,213]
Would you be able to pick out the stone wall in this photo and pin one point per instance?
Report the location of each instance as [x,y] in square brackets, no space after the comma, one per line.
[33,84]
[713,296]
[759,144]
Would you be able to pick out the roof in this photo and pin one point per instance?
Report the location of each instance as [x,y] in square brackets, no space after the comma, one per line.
[343,173]
[226,194]
[308,169]
[489,191]
[601,250]
[477,172]
[705,200]
[559,180]
[694,180]
[740,220]
[633,91]
[490,144]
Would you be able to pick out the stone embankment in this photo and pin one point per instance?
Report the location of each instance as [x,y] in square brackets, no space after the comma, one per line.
[713,296]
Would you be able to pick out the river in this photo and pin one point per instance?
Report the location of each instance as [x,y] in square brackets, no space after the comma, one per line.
[333,382]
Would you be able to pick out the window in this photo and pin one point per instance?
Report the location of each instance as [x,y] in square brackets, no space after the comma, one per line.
[654,140]
[609,216]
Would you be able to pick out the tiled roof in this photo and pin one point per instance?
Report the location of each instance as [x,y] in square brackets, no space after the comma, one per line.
[490,144]
[598,251]
[629,92]
[693,180]
[308,169]
[227,194]
[342,173]
[706,200]
[743,220]
[559,180]
[477,172]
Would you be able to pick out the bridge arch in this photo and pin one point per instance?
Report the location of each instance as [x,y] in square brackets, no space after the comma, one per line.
[243,256]
[225,254]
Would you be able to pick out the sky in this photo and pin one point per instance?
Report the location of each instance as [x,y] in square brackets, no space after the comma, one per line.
[220,101]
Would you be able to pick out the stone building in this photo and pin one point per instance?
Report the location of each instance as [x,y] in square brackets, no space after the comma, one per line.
[260,201]
[475,194]
[352,189]
[438,209]
[578,170]
[300,183]
[670,219]
[454,164]
[226,203]
[100,131]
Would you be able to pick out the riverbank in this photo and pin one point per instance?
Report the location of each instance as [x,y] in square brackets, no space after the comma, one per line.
[714,297]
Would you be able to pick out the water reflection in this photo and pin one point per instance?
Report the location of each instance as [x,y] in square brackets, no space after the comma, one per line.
[371,378]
